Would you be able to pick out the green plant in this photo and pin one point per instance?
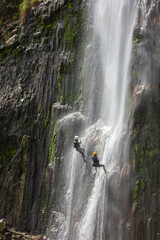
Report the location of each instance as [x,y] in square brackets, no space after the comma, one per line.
[25,6]
[16,16]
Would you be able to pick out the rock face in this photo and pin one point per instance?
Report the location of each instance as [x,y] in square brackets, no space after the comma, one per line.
[144,218]
[38,64]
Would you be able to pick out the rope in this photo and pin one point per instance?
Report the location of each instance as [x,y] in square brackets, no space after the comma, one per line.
[85,103]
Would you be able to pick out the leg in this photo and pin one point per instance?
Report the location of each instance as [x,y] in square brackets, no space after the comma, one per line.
[104,168]
[94,165]
[101,165]
[81,151]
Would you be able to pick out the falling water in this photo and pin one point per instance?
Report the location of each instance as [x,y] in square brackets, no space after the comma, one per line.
[92,201]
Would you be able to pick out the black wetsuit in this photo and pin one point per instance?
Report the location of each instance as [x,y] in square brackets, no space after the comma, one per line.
[77,146]
[96,163]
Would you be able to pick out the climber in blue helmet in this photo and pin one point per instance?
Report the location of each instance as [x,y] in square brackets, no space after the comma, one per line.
[96,162]
[77,146]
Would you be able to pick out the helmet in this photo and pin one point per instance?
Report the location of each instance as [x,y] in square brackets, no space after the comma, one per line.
[76,138]
[95,153]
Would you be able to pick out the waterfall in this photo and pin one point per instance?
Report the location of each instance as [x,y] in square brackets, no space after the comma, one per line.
[94,202]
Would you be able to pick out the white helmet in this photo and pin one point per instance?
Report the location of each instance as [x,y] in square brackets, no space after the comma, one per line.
[76,138]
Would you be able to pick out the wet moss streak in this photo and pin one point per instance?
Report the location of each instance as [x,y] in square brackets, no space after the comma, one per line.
[52,142]
[145,163]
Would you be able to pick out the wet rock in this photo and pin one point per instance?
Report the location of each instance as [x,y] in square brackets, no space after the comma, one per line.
[1,47]
[60,218]
[145,126]
[38,70]
[12,40]
[72,120]
[37,34]
[22,36]
[141,92]
[3,225]
[61,110]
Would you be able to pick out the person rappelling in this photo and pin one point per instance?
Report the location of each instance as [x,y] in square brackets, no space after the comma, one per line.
[96,162]
[77,146]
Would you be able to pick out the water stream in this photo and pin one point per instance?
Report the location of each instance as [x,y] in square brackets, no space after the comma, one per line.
[93,201]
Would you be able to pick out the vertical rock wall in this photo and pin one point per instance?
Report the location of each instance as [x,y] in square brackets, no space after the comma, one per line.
[39,59]
[144,220]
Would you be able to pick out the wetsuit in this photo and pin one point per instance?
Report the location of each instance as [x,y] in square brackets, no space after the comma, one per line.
[77,146]
[96,163]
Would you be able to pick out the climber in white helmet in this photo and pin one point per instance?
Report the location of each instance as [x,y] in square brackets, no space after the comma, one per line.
[77,146]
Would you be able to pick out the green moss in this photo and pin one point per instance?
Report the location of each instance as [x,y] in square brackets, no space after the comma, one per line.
[52,118]
[136,189]
[134,163]
[32,130]
[20,41]
[26,5]
[129,103]
[154,210]
[53,137]
[54,24]
[17,55]
[1,56]
[52,144]
[137,41]
[46,122]
[7,151]
[47,27]
[71,27]
[69,35]
[141,159]
[36,40]
[61,99]
[144,164]
[70,5]
[16,16]
[40,24]
[143,185]
[8,51]
[25,142]
[13,52]
[35,1]
[133,73]
[136,148]
[60,80]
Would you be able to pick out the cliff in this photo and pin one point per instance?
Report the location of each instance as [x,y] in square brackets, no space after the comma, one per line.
[39,51]
[145,125]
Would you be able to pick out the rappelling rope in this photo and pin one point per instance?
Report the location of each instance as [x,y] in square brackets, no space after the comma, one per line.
[84,109]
